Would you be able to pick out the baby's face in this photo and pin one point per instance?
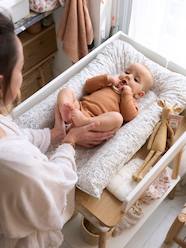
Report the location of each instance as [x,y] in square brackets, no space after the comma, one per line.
[137,77]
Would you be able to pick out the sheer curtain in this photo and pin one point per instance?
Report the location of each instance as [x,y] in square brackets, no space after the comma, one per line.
[109,21]
[161,26]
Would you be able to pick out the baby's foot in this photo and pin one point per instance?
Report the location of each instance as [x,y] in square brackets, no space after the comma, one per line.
[66,112]
[79,119]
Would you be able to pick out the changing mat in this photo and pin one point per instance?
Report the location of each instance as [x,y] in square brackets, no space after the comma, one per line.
[98,165]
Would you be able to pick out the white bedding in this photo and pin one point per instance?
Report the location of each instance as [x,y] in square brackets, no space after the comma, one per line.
[98,165]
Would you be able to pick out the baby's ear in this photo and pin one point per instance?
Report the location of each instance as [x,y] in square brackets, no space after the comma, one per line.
[141,93]
[1,79]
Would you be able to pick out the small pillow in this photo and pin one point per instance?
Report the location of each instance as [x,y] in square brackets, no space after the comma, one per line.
[122,184]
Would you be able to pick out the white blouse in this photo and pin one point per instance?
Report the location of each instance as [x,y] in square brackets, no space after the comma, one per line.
[33,188]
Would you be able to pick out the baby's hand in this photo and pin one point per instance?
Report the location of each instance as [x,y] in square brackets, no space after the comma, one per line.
[113,80]
[126,90]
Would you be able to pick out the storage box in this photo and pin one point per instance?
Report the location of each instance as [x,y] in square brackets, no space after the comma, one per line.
[17,8]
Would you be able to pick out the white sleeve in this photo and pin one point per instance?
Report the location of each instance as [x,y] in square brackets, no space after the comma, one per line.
[33,190]
[39,137]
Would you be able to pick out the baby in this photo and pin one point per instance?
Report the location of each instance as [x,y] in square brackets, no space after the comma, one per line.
[109,100]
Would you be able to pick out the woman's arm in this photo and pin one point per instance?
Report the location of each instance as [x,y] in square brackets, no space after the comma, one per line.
[36,196]
[39,137]
[40,185]
[42,138]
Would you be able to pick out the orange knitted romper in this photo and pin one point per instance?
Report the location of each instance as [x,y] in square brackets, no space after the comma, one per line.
[102,98]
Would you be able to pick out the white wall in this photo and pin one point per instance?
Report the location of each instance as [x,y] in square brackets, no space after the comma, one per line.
[61,62]
[125,9]
[94,9]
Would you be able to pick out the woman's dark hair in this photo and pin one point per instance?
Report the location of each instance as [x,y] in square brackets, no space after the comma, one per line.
[8,50]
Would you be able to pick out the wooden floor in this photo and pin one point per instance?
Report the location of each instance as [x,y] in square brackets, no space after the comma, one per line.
[151,235]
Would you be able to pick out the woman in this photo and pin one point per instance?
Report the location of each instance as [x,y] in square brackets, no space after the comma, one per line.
[33,188]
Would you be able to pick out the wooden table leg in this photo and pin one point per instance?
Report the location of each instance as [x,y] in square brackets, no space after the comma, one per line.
[173,231]
[171,195]
[102,240]
[176,165]
[180,242]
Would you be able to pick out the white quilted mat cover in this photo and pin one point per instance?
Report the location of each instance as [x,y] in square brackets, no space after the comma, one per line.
[98,165]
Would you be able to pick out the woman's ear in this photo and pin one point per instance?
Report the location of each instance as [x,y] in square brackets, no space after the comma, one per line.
[1,86]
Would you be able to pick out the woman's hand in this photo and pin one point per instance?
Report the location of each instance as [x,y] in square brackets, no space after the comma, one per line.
[58,131]
[84,136]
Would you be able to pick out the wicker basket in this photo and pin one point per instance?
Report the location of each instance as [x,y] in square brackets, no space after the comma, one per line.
[90,233]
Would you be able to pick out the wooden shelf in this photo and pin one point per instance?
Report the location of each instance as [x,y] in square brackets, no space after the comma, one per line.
[148,210]
[127,234]
[39,51]
[28,21]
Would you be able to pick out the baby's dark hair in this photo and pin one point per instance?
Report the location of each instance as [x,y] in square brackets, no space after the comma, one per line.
[8,50]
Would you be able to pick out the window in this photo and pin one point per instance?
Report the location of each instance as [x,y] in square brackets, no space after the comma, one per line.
[161,26]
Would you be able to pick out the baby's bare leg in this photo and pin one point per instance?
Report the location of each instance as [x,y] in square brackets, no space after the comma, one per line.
[67,102]
[107,121]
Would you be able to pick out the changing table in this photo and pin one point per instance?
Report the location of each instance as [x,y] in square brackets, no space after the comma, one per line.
[107,211]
